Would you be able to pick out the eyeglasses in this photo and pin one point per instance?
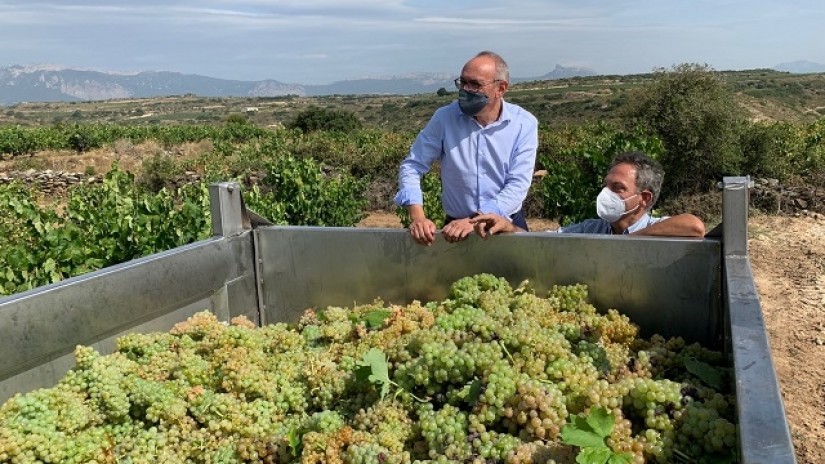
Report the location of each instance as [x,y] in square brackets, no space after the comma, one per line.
[472,86]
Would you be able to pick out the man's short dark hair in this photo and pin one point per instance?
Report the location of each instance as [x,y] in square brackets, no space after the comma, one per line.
[649,173]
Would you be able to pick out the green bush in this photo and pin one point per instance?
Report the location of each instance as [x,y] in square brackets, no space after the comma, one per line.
[362,153]
[315,118]
[311,196]
[102,225]
[266,205]
[431,188]
[121,221]
[157,172]
[237,118]
[18,141]
[783,151]
[698,120]
[769,149]
[811,162]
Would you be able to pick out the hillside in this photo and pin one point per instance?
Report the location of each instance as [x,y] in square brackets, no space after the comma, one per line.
[52,83]
[767,94]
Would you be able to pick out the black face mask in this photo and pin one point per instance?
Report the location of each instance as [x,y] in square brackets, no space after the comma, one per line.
[471,103]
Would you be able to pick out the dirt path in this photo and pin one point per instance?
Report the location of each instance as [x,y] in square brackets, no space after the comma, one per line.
[788,262]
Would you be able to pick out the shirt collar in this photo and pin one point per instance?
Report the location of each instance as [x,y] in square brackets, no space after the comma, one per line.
[505,112]
[643,222]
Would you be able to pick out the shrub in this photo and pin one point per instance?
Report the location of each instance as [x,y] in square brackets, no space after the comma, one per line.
[362,153]
[431,188]
[315,118]
[811,161]
[102,224]
[769,149]
[698,120]
[311,196]
[157,172]
[236,118]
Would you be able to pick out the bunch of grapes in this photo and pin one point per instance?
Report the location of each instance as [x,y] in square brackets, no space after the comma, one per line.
[488,375]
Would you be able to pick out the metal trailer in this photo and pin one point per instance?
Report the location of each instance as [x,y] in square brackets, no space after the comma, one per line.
[700,289]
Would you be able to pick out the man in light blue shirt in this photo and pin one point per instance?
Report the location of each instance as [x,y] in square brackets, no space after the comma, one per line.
[487,151]
[600,226]
[631,188]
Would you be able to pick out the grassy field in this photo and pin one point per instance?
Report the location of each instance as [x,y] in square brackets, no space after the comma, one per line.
[767,94]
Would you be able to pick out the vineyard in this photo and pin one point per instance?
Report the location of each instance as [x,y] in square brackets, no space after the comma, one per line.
[325,178]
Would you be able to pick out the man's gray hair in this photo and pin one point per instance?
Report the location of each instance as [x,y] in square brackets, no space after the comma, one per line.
[649,173]
[502,70]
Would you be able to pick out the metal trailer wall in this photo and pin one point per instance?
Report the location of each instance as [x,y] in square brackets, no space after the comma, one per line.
[39,329]
[668,286]
[700,289]
[764,435]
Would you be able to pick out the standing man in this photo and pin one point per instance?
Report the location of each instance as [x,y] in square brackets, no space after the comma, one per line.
[487,150]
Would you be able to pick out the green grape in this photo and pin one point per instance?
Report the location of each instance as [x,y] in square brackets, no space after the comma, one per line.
[490,374]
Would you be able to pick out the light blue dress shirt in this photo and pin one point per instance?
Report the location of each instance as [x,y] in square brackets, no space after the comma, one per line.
[600,226]
[483,169]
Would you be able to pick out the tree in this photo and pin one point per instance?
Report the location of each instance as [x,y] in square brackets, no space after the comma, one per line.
[315,118]
[699,122]
[236,118]
[442,92]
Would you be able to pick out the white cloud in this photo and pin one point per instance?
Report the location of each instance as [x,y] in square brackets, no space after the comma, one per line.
[316,41]
[497,21]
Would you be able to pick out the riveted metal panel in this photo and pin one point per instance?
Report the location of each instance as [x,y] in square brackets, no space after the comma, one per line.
[40,327]
[666,285]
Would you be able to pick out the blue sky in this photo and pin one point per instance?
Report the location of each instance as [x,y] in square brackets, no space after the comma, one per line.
[321,41]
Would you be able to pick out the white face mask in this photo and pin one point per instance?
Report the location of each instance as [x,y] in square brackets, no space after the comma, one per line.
[610,206]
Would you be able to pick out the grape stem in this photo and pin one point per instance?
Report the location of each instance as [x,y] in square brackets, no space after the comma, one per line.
[682,457]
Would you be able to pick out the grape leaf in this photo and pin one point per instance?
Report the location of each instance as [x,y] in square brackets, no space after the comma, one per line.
[373,367]
[594,455]
[294,442]
[475,391]
[582,438]
[706,373]
[589,433]
[601,422]
[375,319]
[620,458]
[470,392]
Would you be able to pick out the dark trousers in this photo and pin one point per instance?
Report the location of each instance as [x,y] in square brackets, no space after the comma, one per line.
[518,219]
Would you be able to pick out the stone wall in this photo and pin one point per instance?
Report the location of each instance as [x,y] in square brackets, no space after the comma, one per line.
[774,198]
[56,183]
[49,182]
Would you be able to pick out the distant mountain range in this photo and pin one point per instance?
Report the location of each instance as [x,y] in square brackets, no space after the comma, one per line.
[44,83]
[801,67]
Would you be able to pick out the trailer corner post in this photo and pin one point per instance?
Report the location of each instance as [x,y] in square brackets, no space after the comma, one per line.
[735,201]
[226,206]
